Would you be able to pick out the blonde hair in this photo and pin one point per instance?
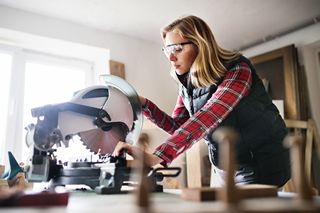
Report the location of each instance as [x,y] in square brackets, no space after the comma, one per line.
[207,67]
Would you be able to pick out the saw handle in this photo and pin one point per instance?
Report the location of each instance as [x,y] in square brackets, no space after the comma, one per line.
[121,159]
[123,153]
[160,175]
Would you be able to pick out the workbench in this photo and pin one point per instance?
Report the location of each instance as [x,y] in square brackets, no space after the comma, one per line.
[168,201]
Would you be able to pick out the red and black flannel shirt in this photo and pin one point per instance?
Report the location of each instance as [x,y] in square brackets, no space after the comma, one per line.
[186,130]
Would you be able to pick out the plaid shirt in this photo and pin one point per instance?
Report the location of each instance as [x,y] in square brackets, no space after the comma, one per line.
[186,130]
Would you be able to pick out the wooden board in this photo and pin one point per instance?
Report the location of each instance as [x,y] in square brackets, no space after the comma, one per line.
[277,205]
[200,194]
[245,191]
[117,68]
[193,158]
[257,191]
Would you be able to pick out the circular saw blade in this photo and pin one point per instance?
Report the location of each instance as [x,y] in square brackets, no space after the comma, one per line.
[104,142]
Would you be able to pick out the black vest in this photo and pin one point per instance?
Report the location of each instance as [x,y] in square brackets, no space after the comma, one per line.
[260,126]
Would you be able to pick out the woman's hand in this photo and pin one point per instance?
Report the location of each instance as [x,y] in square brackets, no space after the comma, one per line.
[136,153]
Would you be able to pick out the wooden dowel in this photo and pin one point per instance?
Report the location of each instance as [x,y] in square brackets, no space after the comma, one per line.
[302,185]
[227,138]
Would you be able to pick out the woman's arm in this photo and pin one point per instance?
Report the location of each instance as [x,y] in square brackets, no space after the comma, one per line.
[168,123]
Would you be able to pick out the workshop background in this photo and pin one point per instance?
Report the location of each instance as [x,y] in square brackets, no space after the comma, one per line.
[74,41]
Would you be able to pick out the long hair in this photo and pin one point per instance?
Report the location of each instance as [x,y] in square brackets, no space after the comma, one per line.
[207,67]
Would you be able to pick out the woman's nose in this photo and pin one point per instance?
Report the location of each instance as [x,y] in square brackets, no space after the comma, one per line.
[172,57]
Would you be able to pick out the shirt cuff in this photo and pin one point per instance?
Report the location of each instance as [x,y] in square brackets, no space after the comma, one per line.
[164,161]
[165,155]
[146,104]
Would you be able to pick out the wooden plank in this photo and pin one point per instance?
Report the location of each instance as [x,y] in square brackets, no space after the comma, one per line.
[308,151]
[257,190]
[117,69]
[316,137]
[301,184]
[296,124]
[193,156]
[2,169]
[244,191]
[200,193]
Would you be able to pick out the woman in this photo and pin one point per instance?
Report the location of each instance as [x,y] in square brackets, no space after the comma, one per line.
[217,88]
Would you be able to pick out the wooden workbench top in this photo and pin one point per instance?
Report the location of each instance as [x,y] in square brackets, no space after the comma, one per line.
[168,201]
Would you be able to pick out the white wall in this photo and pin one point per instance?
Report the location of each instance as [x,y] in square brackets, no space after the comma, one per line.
[307,42]
[146,67]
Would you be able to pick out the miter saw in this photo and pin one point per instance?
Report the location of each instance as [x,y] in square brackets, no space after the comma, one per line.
[101,116]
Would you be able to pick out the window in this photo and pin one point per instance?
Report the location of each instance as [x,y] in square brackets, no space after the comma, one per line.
[50,81]
[5,67]
[36,80]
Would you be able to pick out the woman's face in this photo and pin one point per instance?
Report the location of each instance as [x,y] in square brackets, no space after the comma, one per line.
[180,52]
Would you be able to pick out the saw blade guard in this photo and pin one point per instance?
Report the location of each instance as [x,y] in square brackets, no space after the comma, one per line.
[121,118]
[120,84]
